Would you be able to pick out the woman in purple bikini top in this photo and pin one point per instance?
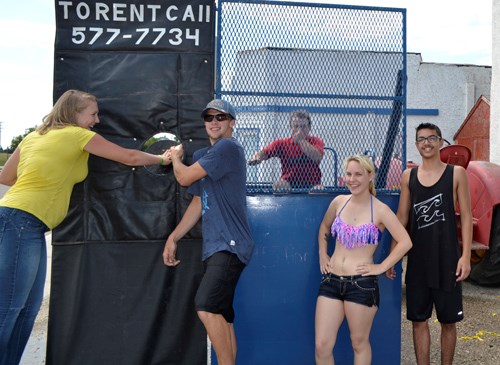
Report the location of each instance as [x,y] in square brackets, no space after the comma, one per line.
[349,285]
[352,237]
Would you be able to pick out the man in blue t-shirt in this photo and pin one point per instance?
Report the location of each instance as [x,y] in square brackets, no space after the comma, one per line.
[217,181]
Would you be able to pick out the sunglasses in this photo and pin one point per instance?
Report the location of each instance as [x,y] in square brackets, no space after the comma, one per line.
[218,117]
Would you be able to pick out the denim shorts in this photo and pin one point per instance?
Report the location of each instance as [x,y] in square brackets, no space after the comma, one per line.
[355,288]
[216,291]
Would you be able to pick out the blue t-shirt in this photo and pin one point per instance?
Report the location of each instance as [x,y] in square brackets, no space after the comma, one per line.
[223,199]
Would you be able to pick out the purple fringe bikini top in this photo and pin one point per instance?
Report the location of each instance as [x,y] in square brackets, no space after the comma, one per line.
[352,237]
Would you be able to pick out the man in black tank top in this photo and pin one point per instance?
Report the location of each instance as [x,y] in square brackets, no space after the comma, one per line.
[436,265]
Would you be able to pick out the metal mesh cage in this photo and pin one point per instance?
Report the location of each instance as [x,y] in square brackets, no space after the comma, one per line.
[343,66]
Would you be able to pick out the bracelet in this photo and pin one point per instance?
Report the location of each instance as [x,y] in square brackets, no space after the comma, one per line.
[162,161]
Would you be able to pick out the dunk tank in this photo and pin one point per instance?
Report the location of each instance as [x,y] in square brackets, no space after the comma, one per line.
[153,66]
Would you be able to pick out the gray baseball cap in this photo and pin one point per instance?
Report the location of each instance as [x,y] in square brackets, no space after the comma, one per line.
[220,105]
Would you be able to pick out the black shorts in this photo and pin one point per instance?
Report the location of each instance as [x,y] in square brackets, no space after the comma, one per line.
[356,288]
[216,291]
[421,299]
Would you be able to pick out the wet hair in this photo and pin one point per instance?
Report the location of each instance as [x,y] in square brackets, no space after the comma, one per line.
[65,109]
[428,126]
[302,115]
[366,163]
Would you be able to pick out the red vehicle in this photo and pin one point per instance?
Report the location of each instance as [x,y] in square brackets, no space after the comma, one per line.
[484,186]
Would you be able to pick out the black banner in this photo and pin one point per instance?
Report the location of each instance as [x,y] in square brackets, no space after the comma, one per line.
[151,66]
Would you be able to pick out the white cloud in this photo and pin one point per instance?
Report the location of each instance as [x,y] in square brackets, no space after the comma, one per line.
[26,74]
[450,31]
[22,34]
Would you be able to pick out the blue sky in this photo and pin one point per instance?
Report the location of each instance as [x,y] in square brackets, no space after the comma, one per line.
[443,31]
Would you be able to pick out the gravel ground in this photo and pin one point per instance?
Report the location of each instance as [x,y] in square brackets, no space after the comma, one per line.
[478,334]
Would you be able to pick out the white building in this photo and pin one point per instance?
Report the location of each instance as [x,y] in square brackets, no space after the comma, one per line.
[442,94]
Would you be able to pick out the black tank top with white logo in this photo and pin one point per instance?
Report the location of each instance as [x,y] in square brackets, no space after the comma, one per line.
[432,261]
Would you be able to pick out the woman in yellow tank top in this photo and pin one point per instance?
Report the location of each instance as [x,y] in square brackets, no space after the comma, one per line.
[42,172]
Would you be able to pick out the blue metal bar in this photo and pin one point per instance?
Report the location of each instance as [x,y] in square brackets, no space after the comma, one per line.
[309,95]
[333,110]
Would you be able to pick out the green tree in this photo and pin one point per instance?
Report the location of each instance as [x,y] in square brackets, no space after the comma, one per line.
[16,140]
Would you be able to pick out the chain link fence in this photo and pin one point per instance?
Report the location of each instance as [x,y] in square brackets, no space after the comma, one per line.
[313,84]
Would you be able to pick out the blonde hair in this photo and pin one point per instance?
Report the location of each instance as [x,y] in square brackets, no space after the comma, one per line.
[65,109]
[367,163]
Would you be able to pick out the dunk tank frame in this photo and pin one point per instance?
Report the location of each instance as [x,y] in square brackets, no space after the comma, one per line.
[277,57]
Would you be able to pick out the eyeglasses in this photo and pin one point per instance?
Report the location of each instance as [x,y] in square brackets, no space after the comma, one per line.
[218,117]
[430,139]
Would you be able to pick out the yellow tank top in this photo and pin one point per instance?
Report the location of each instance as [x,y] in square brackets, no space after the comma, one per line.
[49,166]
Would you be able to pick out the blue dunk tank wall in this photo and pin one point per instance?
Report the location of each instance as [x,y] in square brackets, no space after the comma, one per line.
[276,297]
[345,66]
[152,65]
